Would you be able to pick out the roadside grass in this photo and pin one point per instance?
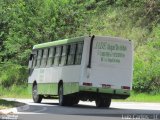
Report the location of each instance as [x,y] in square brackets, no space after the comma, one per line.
[22,92]
[4,104]
[14,92]
[141,97]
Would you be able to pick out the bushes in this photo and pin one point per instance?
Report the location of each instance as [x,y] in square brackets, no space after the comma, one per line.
[25,23]
[15,92]
[12,74]
[146,71]
[147,65]
[145,34]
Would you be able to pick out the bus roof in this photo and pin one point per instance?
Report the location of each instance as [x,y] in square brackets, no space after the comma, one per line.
[58,42]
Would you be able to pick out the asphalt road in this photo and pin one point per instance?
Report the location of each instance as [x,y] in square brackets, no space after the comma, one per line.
[50,110]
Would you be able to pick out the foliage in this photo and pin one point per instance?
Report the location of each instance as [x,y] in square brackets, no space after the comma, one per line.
[13,74]
[147,65]
[139,23]
[28,22]
[141,97]
[15,91]
[24,23]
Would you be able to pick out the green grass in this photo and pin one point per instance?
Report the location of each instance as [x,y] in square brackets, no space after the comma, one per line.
[9,104]
[142,97]
[22,92]
[15,92]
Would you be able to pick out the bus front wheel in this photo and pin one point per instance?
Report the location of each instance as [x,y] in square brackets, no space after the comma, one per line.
[36,97]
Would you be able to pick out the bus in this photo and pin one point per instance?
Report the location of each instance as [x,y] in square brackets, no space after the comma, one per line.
[87,68]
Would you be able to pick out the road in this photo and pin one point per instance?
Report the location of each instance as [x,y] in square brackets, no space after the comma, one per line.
[50,110]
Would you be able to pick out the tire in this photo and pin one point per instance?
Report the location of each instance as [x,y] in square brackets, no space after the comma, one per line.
[66,100]
[36,97]
[72,100]
[103,102]
[62,98]
[75,101]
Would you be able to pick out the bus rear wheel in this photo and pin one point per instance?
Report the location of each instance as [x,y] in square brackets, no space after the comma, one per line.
[36,97]
[75,101]
[103,102]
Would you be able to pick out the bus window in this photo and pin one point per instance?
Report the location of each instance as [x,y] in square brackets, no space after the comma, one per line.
[53,58]
[57,55]
[30,61]
[79,53]
[64,55]
[40,53]
[47,56]
[50,57]
[44,58]
[71,54]
[34,58]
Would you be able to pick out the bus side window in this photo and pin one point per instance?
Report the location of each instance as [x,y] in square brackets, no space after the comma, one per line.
[30,61]
[34,59]
[79,53]
[71,54]
[50,56]
[64,55]
[40,53]
[57,55]
[44,58]
[54,53]
[47,56]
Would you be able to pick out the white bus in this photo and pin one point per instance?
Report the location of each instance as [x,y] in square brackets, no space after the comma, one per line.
[96,68]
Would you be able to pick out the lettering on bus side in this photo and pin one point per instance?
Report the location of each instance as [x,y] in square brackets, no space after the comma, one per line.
[110,52]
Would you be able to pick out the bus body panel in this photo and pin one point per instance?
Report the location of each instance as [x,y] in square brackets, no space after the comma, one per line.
[111,66]
[48,79]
